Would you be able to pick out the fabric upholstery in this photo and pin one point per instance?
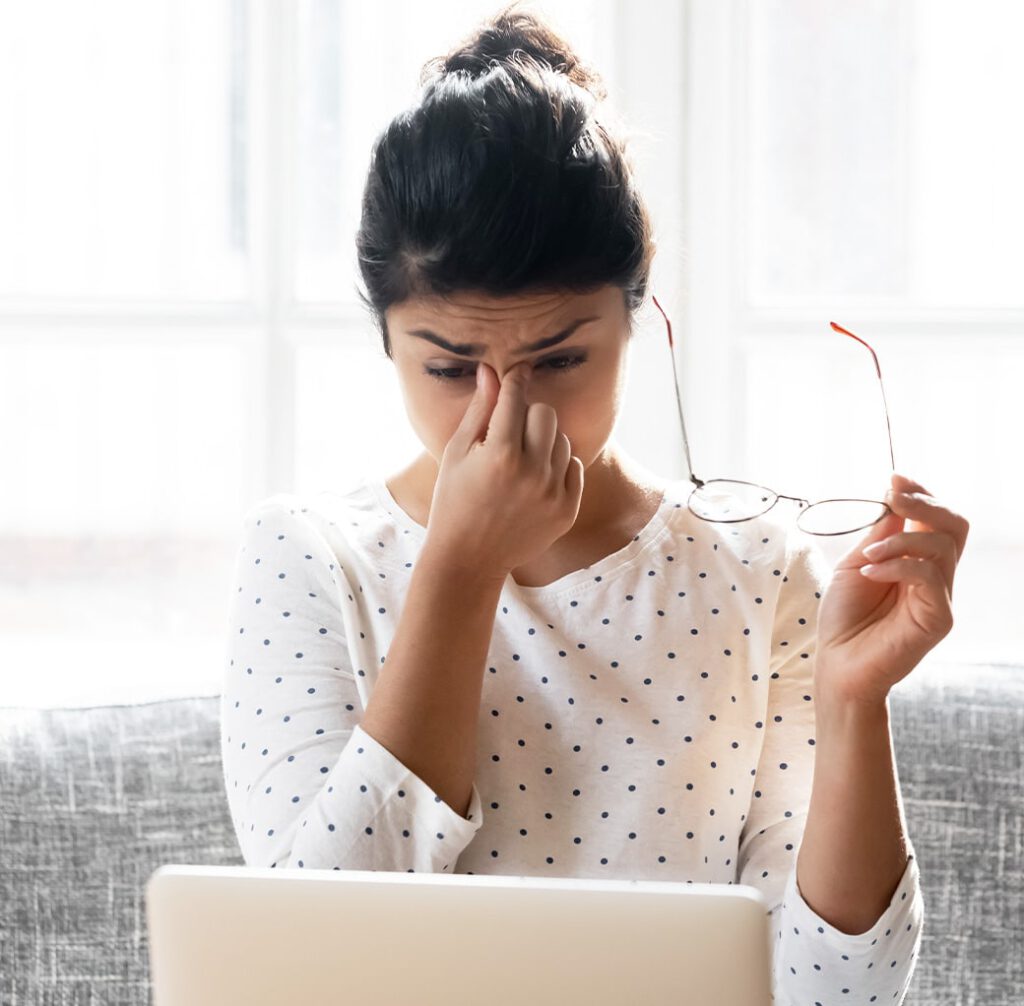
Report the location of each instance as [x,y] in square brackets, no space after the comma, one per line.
[93,800]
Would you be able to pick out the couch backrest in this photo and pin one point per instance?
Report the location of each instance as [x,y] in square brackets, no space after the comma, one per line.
[95,799]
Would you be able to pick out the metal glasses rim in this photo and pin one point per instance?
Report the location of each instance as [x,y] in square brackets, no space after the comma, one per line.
[804,509]
[782,496]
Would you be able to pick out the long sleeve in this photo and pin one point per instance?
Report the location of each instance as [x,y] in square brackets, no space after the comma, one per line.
[307,787]
[812,961]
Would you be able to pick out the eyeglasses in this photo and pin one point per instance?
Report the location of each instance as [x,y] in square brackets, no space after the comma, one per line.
[729,501]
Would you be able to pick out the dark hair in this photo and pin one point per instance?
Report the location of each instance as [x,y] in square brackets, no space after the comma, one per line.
[501,180]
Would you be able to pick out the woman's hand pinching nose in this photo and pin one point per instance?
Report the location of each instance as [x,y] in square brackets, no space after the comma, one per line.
[508,484]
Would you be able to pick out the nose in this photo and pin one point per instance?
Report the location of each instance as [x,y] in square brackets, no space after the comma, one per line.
[523,371]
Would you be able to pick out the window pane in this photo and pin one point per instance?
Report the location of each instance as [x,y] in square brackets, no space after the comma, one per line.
[814,427]
[348,91]
[880,163]
[124,139]
[964,191]
[118,530]
[350,417]
[814,419]
[814,423]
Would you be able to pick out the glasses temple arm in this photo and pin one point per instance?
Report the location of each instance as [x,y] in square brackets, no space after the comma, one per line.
[679,403]
[878,370]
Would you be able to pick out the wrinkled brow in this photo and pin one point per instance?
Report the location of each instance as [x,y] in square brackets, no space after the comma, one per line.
[478,349]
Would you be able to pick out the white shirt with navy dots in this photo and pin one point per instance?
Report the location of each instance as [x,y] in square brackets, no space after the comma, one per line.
[648,717]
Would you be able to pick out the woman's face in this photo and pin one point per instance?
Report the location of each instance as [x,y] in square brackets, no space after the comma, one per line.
[582,377]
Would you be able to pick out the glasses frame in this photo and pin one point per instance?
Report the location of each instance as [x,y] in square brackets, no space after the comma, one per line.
[804,504]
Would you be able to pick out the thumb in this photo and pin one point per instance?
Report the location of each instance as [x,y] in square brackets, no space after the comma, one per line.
[477,416]
[890,524]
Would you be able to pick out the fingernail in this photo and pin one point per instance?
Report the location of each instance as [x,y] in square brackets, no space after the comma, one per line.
[873,549]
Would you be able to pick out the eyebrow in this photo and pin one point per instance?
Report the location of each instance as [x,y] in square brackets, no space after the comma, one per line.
[478,349]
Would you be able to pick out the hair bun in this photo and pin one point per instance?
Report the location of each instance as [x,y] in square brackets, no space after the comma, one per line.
[516,36]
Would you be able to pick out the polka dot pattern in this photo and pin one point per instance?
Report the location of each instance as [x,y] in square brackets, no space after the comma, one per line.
[648,717]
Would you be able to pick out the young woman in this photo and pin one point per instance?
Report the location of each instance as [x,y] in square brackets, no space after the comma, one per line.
[523,653]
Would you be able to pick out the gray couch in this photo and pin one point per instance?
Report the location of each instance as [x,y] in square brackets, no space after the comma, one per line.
[93,800]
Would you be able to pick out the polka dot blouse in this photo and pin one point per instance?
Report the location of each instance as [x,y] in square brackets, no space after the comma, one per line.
[648,717]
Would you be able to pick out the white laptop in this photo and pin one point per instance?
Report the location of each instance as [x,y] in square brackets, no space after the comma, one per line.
[220,935]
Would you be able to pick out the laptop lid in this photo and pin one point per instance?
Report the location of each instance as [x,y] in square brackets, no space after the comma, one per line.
[259,936]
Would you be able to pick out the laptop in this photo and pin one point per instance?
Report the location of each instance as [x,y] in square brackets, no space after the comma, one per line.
[220,935]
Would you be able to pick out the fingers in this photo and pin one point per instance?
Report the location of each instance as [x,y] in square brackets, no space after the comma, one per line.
[561,454]
[475,420]
[506,417]
[926,575]
[909,499]
[904,484]
[574,483]
[937,547]
[920,544]
[509,414]
[936,538]
[540,433]
[890,523]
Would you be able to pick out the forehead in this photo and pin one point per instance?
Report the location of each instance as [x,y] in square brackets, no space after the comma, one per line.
[514,316]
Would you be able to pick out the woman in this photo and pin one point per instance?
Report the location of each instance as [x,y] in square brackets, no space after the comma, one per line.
[583,679]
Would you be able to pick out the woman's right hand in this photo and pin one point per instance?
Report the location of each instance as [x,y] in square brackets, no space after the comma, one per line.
[508,485]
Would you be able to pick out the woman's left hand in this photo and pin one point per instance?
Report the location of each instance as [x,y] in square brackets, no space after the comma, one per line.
[873,629]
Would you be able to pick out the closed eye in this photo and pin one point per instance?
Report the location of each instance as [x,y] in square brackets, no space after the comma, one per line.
[558,364]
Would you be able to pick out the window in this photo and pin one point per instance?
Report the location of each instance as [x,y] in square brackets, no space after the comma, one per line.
[180,336]
[854,163]
[179,333]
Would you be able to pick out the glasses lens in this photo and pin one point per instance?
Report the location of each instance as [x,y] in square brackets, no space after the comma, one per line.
[840,516]
[725,500]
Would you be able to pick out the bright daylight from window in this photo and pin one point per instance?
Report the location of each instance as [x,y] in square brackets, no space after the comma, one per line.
[180,337]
